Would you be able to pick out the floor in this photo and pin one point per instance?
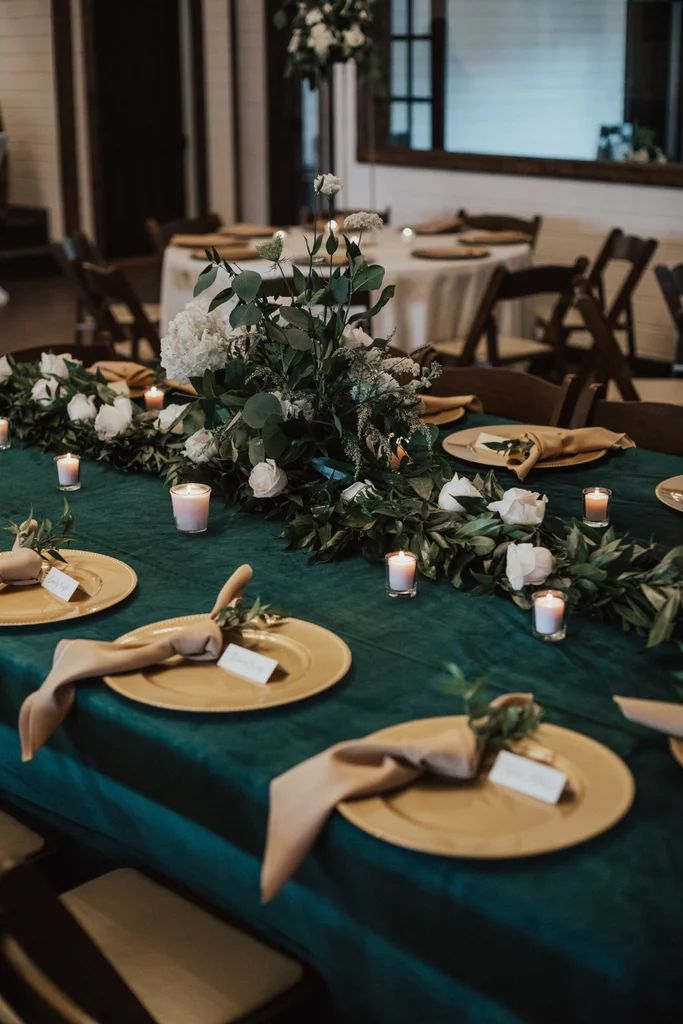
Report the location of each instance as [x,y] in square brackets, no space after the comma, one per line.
[41,309]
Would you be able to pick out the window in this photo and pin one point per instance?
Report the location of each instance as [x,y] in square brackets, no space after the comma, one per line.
[410,120]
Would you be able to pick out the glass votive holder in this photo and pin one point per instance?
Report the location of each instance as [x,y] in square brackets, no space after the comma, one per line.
[596,506]
[191,507]
[68,472]
[5,442]
[154,399]
[407,236]
[401,568]
[549,615]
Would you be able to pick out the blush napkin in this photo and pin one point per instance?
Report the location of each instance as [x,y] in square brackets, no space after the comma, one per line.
[664,716]
[45,709]
[441,409]
[553,442]
[21,565]
[302,799]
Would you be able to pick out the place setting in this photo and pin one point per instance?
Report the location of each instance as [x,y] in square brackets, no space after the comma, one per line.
[670,493]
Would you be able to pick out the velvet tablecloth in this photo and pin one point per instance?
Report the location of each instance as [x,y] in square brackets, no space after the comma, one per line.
[594,933]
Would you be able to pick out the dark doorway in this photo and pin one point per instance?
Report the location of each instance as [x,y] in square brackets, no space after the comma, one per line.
[136,126]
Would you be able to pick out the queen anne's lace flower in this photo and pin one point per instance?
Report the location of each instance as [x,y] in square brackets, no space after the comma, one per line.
[271,250]
[363,221]
[198,340]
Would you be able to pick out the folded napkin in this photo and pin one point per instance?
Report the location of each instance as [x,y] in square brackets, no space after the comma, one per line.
[137,377]
[436,409]
[244,230]
[208,240]
[439,226]
[47,707]
[479,236]
[661,715]
[238,252]
[551,442]
[20,565]
[302,798]
[450,252]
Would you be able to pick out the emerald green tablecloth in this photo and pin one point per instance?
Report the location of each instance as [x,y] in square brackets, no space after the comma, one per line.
[590,934]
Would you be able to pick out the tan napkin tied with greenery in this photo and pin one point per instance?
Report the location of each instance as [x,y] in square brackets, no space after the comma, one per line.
[45,709]
[552,442]
[439,226]
[302,799]
[661,715]
[21,565]
[437,409]
[137,377]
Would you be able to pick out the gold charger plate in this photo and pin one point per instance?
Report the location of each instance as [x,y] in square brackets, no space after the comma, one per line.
[450,252]
[663,491]
[483,820]
[249,230]
[480,237]
[229,252]
[310,659]
[460,444]
[103,582]
[676,747]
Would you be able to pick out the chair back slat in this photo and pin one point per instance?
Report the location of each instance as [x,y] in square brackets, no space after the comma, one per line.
[628,249]
[160,234]
[513,395]
[503,222]
[657,426]
[605,360]
[670,280]
[109,285]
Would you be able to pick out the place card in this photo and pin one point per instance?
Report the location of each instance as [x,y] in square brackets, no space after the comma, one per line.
[484,439]
[248,664]
[58,583]
[527,776]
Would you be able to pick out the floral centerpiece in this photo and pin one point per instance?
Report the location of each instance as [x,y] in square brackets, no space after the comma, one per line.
[324,34]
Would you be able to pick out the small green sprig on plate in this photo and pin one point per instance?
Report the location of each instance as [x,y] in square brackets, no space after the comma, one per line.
[234,619]
[512,445]
[496,728]
[43,535]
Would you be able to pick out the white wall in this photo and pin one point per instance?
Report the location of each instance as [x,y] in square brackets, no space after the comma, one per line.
[85,201]
[219,119]
[27,95]
[576,214]
[251,36]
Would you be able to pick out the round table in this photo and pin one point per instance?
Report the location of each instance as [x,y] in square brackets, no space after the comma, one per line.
[435,299]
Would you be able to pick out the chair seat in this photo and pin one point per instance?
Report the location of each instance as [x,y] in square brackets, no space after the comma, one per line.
[17,842]
[510,348]
[121,313]
[183,964]
[652,389]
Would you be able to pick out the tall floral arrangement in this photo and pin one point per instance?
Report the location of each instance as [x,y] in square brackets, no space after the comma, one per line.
[324,34]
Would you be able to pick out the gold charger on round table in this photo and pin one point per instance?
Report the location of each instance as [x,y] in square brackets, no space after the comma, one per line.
[103,582]
[310,659]
[486,821]
[461,445]
[670,493]
[450,252]
[676,747]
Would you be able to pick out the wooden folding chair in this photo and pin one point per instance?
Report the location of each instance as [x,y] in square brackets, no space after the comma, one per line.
[512,394]
[111,288]
[502,222]
[160,234]
[483,343]
[654,425]
[670,280]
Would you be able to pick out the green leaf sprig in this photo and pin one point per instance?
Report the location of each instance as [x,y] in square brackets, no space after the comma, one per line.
[43,535]
[496,728]
[233,620]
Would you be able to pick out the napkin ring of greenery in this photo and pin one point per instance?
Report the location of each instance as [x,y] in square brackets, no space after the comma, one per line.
[43,535]
[496,728]
[235,619]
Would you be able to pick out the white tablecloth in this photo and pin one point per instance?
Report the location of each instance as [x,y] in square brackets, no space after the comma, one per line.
[434,301]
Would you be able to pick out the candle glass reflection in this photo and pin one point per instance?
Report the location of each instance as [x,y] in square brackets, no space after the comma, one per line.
[549,615]
[68,472]
[401,570]
[191,507]
[154,399]
[596,506]
[5,442]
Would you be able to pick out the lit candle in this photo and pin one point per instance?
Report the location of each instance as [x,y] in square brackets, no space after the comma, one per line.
[549,614]
[596,506]
[407,235]
[154,398]
[401,574]
[191,507]
[68,472]
[4,433]
[331,226]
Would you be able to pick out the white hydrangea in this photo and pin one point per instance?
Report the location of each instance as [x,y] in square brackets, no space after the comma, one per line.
[363,221]
[198,340]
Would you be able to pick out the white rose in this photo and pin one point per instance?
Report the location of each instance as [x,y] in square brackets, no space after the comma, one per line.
[354,337]
[354,36]
[518,507]
[328,184]
[5,370]
[46,391]
[81,407]
[314,16]
[267,479]
[293,44]
[113,420]
[164,420]
[201,447]
[361,489]
[527,564]
[459,486]
[119,387]
[55,366]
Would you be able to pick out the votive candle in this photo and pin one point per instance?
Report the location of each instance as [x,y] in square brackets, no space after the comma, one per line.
[407,235]
[596,506]
[331,226]
[191,507]
[154,398]
[401,568]
[549,615]
[4,433]
[68,472]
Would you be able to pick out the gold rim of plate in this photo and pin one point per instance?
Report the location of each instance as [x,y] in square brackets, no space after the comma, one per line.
[104,582]
[676,747]
[485,821]
[444,417]
[310,659]
[674,483]
[460,445]
[447,252]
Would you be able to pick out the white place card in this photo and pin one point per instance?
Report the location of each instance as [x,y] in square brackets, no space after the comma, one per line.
[248,664]
[484,439]
[527,776]
[58,583]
